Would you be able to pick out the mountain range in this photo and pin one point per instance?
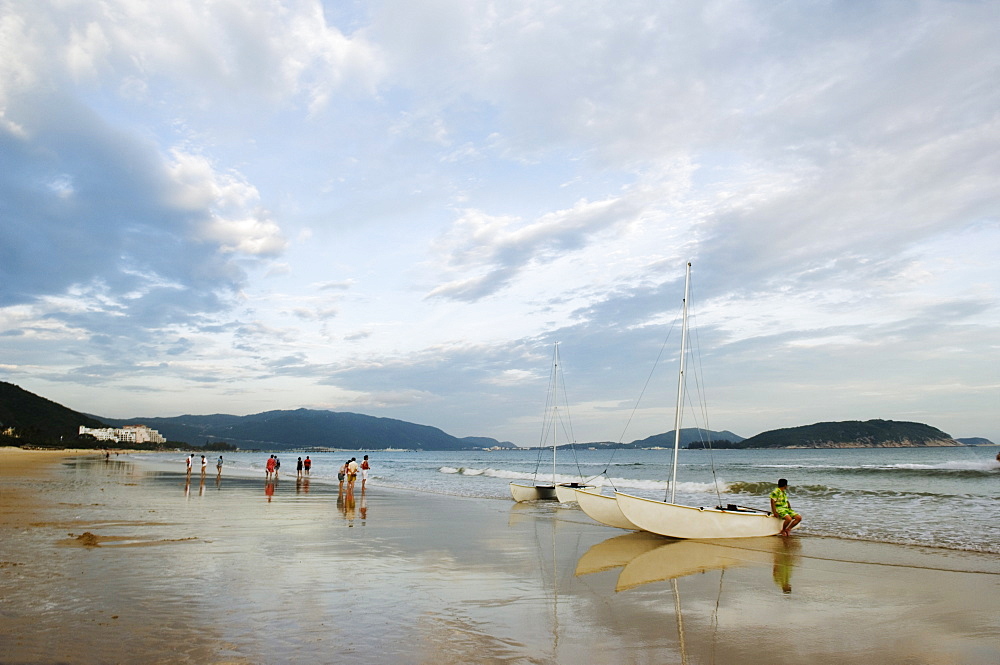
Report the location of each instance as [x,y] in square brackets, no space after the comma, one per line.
[29,418]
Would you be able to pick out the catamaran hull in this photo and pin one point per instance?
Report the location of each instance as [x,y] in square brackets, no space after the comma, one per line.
[603,509]
[532,492]
[566,492]
[677,521]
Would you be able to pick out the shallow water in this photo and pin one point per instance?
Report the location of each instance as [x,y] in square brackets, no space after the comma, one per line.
[938,497]
[226,570]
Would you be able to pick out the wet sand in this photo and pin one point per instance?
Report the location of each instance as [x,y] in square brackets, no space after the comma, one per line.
[112,562]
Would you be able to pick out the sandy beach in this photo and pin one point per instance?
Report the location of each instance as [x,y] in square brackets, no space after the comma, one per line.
[111,562]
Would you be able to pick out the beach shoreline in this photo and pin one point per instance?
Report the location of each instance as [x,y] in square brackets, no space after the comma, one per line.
[231,571]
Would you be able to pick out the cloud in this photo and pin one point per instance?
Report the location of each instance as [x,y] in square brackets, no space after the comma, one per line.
[501,248]
[122,225]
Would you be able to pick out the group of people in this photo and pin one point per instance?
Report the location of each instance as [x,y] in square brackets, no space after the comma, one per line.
[303,466]
[349,472]
[204,465]
[271,466]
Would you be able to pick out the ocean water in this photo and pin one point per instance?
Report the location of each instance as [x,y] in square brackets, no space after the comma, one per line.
[934,497]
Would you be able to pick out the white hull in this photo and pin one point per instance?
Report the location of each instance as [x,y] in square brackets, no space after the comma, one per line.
[603,509]
[532,492]
[566,492]
[677,521]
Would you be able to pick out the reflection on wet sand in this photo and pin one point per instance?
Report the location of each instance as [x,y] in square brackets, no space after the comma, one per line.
[646,558]
[347,504]
[618,551]
[527,511]
[785,558]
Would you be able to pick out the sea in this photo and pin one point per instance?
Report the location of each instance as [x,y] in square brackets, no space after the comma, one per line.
[945,497]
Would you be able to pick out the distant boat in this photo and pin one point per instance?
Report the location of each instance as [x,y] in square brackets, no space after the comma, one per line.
[552,421]
[668,518]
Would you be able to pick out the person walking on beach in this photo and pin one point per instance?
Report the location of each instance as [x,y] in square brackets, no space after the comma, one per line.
[277,465]
[307,464]
[781,508]
[364,473]
[269,467]
[298,468]
[218,467]
[204,466]
[189,460]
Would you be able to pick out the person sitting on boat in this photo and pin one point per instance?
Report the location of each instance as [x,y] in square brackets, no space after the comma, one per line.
[781,508]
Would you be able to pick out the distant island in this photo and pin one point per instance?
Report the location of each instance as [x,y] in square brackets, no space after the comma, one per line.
[853,434]
[27,419]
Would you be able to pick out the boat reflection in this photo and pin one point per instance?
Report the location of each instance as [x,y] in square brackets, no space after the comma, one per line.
[618,551]
[645,558]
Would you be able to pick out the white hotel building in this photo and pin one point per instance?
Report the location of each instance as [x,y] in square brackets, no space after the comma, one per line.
[127,434]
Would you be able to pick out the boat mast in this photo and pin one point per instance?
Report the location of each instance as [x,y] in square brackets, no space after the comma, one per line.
[555,407]
[680,381]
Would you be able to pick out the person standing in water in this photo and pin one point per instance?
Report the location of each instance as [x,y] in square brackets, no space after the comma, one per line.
[782,509]
[364,472]
[342,474]
[298,468]
[307,464]
[218,467]
[352,473]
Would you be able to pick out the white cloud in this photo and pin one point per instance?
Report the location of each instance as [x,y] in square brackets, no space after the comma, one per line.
[466,182]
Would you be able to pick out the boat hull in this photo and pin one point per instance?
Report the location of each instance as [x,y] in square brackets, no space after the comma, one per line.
[566,492]
[603,509]
[532,492]
[677,521]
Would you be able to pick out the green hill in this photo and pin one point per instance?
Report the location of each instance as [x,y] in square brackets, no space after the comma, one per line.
[691,437]
[853,434]
[35,420]
[308,428]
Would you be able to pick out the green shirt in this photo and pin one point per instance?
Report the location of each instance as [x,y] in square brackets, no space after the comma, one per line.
[780,498]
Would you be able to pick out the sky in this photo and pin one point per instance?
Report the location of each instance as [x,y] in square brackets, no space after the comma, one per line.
[397,208]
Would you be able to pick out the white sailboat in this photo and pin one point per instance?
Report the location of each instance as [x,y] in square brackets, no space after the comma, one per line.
[603,508]
[668,518]
[552,420]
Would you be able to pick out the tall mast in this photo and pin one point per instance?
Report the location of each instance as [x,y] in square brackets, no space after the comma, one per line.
[680,381]
[555,407]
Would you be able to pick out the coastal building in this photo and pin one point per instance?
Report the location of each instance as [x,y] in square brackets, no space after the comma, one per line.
[127,434]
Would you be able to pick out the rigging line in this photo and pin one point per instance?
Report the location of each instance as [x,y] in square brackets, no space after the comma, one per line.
[639,400]
[699,379]
[546,412]
[570,436]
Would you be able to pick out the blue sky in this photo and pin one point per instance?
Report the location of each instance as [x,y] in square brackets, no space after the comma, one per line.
[396,208]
